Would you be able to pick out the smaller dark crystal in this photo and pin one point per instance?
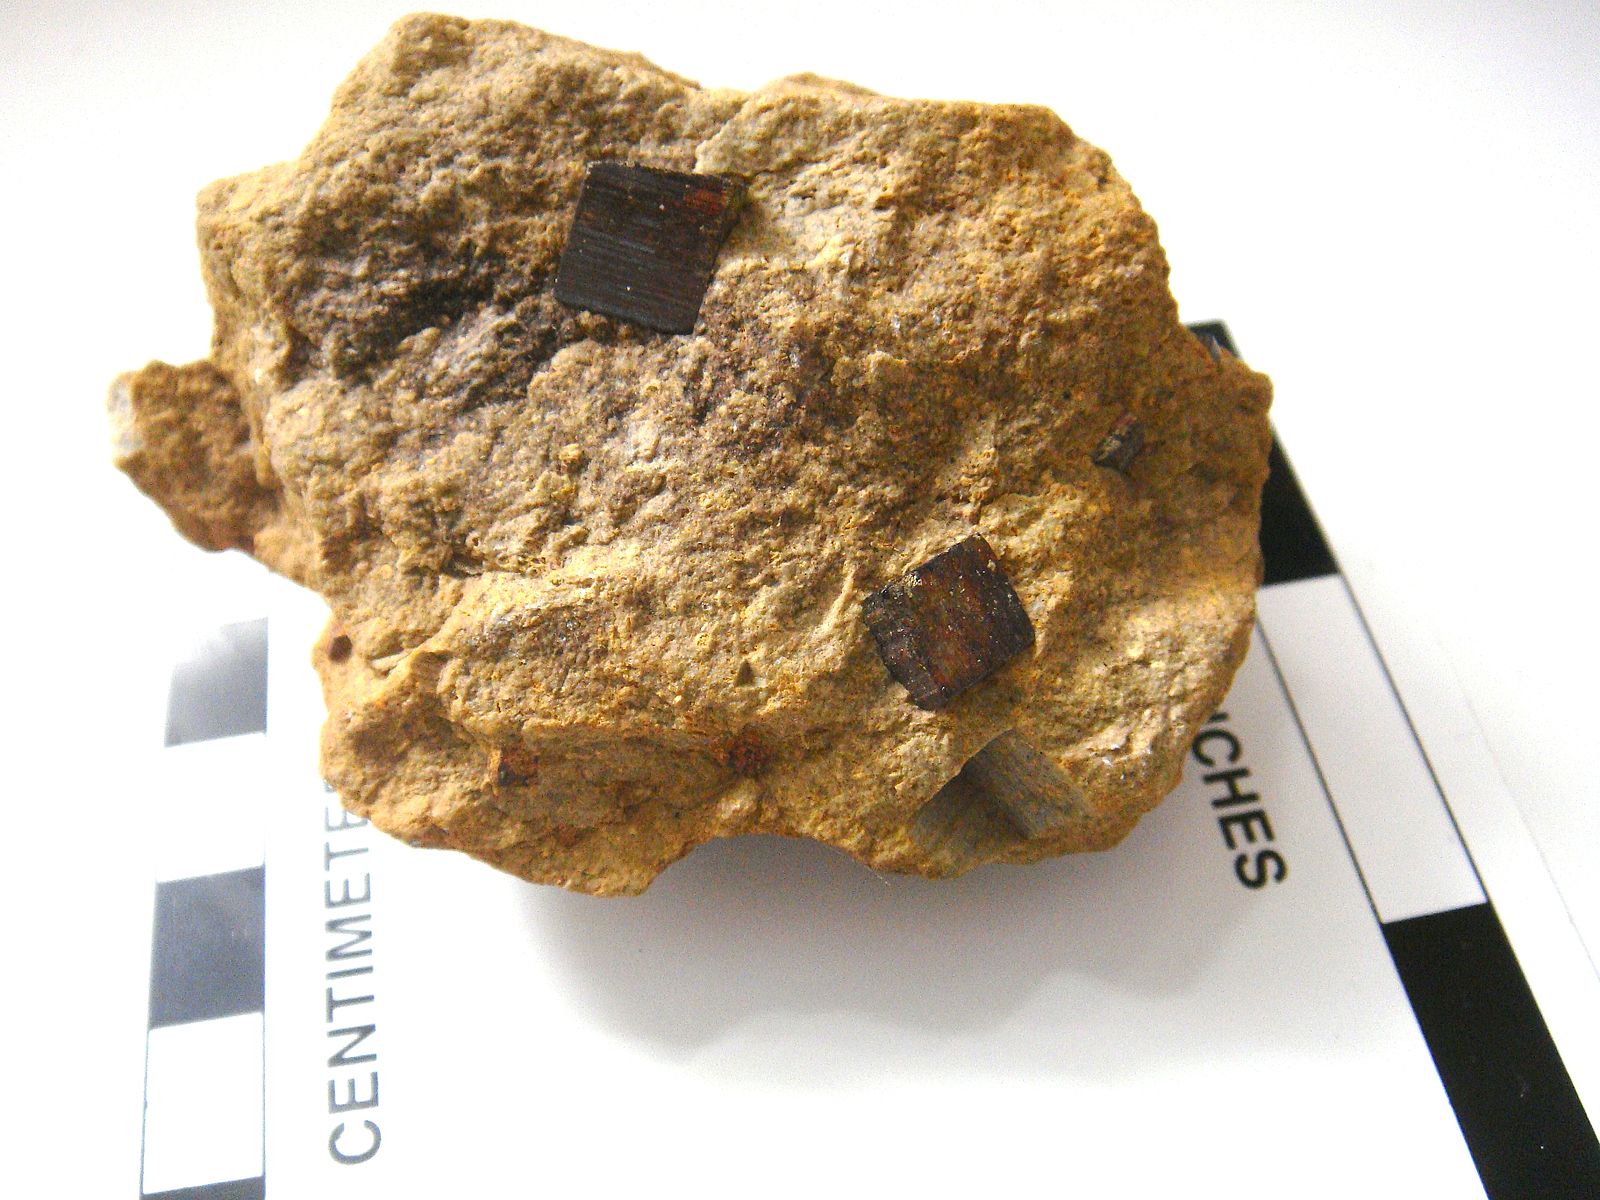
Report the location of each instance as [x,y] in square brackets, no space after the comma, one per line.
[1214,345]
[1121,446]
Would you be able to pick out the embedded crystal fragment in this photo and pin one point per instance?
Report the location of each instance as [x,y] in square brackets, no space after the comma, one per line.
[949,624]
[643,243]
[1121,446]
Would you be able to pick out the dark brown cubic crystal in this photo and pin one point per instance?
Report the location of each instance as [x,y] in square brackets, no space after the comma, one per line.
[1121,446]
[643,243]
[948,624]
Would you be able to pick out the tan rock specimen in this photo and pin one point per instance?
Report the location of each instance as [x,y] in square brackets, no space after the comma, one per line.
[598,591]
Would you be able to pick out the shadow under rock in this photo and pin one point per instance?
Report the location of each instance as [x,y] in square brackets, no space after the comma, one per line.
[811,957]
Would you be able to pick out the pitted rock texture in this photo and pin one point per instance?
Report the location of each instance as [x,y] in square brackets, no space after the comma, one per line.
[597,591]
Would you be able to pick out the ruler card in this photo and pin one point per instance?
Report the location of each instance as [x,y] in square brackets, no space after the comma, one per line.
[1291,978]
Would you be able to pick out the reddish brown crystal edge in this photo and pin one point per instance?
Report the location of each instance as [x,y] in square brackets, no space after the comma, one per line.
[949,624]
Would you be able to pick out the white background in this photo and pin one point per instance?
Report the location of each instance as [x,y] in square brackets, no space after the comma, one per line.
[1393,204]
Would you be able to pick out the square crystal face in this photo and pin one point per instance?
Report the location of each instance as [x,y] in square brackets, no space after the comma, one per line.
[949,624]
[644,242]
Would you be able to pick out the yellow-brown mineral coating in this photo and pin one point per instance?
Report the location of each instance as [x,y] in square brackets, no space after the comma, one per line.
[597,590]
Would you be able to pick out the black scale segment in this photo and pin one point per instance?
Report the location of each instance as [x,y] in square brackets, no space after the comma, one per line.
[209,955]
[235,1189]
[1518,1111]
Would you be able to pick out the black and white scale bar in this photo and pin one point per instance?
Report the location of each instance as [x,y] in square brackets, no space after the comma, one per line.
[204,1046]
[1519,1114]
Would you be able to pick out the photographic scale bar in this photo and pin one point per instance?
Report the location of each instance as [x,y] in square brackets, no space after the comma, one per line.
[1519,1114]
[205,1069]
[1516,1105]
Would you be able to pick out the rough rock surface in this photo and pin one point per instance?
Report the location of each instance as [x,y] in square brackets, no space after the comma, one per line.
[597,591]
